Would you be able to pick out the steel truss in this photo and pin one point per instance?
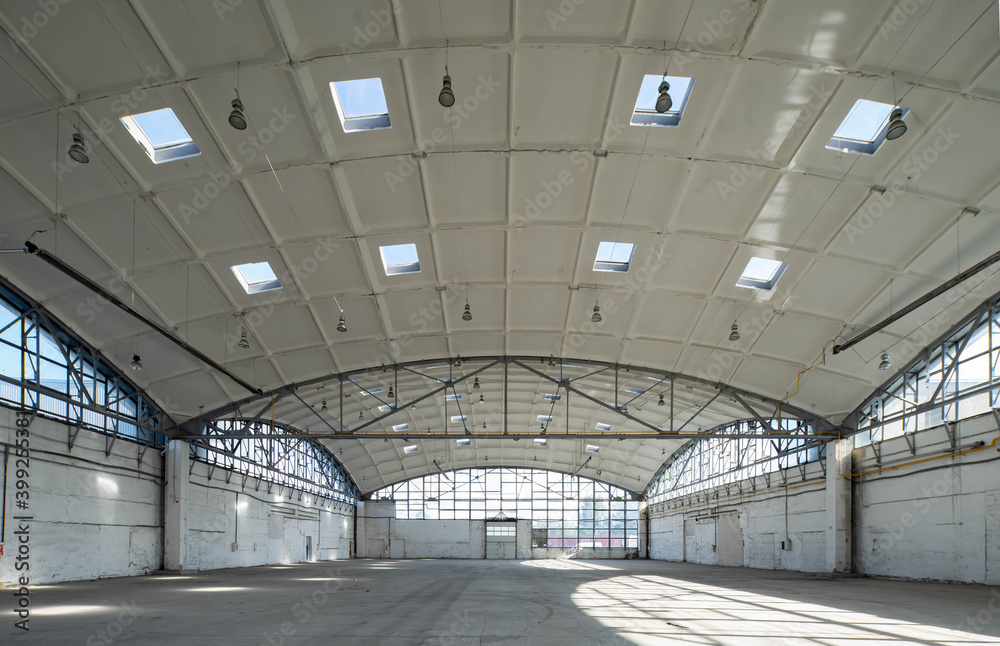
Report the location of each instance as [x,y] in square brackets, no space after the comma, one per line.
[731,457]
[698,395]
[954,377]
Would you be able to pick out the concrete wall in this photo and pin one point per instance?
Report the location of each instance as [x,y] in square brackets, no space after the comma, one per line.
[935,520]
[93,515]
[97,516]
[938,519]
[387,537]
[721,527]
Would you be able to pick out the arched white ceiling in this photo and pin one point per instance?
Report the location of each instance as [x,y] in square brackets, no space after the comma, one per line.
[541,87]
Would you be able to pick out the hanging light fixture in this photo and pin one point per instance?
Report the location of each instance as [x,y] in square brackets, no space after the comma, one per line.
[661,402]
[361,415]
[885,365]
[243,340]
[340,451]
[392,395]
[342,324]
[236,118]
[663,101]
[136,363]
[467,315]
[77,152]
[735,334]
[481,400]
[446,97]
[323,407]
[475,384]
[596,318]
[897,127]
[484,426]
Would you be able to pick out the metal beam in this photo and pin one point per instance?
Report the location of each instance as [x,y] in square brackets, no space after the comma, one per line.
[440,435]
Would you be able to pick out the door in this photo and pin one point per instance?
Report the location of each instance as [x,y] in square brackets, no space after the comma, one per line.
[501,540]
[705,546]
[729,535]
[309,548]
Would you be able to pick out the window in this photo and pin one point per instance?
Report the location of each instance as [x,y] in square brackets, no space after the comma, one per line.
[614,256]
[385,408]
[452,397]
[361,104]
[410,449]
[400,259]
[590,448]
[400,427]
[458,418]
[566,511]
[552,398]
[463,441]
[161,135]
[541,441]
[544,418]
[645,113]
[256,277]
[863,130]
[501,530]
[603,427]
[761,273]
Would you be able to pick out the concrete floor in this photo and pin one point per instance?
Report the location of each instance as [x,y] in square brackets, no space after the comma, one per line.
[388,603]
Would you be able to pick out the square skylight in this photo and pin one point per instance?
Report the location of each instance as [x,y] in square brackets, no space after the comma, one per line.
[645,113]
[458,418]
[635,391]
[452,397]
[361,104]
[256,277]
[400,259]
[400,427]
[410,449]
[863,130]
[551,397]
[370,391]
[761,273]
[385,408]
[544,418]
[161,135]
[592,449]
[541,441]
[603,427]
[614,256]
[463,441]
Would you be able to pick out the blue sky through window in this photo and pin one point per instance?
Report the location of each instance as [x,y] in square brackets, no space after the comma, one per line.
[361,98]
[400,259]
[256,272]
[615,251]
[865,121]
[761,269]
[162,128]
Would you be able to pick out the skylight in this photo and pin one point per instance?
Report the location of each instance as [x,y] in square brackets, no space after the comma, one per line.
[256,277]
[361,104]
[544,418]
[635,391]
[592,449]
[458,418]
[863,130]
[384,408]
[452,397]
[400,427]
[645,113]
[761,273]
[161,135]
[541,441]
[370,391]
[551,397]
[400,259]
[604,427]
[463,441]
[410,449]
[614,256]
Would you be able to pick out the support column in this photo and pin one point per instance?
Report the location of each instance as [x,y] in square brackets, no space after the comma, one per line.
[838,505]
[175,506]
